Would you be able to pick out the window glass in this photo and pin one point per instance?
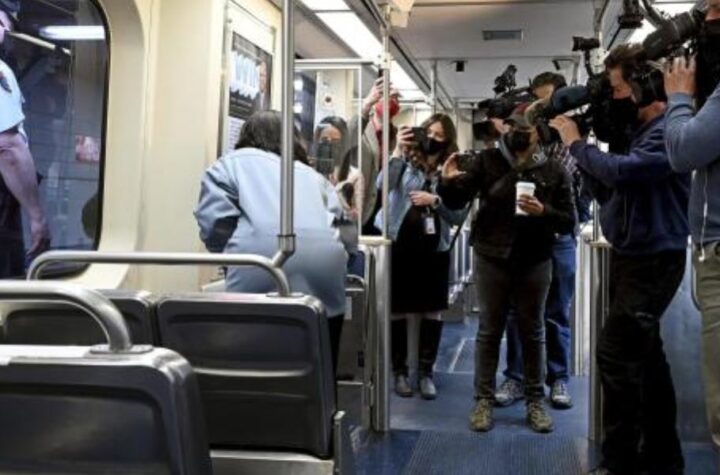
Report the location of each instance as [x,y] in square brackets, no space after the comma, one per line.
[53,78]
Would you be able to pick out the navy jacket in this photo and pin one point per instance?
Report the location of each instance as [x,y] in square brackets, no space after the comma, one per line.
[646,210]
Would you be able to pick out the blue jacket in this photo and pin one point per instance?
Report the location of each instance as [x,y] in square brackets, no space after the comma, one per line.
[405,179]
[238,213]
[646,210]
[694,144]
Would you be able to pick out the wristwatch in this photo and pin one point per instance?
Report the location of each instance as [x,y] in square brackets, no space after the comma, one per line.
[436,204]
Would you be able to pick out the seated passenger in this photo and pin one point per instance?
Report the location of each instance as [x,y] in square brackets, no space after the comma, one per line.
[419,226]
[239,208]
[513,238]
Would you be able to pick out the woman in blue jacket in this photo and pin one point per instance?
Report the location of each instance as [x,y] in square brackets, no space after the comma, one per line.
[420,228]
[238,213]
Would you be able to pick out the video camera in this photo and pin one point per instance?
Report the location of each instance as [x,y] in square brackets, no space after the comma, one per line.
[502,106]
[673,34]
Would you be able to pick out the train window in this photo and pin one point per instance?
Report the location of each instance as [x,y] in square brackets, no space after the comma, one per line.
[53,78]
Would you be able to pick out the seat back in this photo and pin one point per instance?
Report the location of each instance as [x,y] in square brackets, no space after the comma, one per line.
[67,410]
[111,409]
[58,323]
[264,368]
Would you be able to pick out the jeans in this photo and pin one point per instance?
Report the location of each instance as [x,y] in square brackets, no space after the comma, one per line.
[708,289]
[499,286]
[356,263]
[557,317]
[639,398]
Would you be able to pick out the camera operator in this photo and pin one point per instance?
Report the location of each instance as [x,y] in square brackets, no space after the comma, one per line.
[694,145]
[559,301]
[645,220]
[513,235]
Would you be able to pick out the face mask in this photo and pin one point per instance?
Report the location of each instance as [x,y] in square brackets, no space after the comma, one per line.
[327,155]
[518,141]
[394,108]
[435,147]
[623,113]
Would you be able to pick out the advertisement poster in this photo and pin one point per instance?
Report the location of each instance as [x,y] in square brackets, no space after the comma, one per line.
[305,106]
[250,83]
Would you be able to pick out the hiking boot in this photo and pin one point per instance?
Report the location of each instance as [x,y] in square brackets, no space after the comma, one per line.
[427,388]
[509,392]
[538,418]
[559,396]
[481,418]
[402,386]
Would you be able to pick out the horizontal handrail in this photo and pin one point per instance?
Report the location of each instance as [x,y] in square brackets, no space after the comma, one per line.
[162,258]
[91,301]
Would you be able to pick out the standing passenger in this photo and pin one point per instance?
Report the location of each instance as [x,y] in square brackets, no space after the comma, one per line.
[238,213]
[694,145]
[513,249]
[419,225]
[645,220]
[18,176]
[370,123]
[562,288]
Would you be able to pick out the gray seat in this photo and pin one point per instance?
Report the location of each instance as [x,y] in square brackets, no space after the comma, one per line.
[264,368]
[57,323]
[89,410]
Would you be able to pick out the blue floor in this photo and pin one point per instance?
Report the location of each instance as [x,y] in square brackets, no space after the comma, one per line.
[432,437]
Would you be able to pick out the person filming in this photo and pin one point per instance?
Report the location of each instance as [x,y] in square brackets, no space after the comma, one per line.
[525,199]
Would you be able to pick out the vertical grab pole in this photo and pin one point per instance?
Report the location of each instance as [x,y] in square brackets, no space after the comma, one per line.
[286,238]
[381,413]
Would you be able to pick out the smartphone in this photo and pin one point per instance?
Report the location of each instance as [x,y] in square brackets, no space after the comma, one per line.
[419,135]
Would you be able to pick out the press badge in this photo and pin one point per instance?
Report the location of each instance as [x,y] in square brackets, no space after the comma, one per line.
[429,225]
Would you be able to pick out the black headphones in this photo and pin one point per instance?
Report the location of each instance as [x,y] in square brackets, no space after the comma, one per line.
[648,85]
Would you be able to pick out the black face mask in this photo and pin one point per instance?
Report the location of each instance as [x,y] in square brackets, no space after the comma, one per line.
[623,113]
[435,147]
[518,141]
[327,156]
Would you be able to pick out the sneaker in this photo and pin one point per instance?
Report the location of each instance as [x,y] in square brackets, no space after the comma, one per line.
[538,418]
[427,388]
[509,392]
[481,419]
[559,396]
[402,386]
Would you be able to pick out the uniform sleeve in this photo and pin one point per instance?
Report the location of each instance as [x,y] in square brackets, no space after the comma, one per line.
[218,208]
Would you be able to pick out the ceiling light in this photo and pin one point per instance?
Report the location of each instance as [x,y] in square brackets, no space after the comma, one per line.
[353,32]
[73,33]
[326,5]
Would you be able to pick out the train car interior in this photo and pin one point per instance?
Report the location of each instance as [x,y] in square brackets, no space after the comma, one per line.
[243,237]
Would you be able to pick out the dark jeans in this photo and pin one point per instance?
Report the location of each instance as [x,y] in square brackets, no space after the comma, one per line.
[557,318]
[430,335]
[356,264]
[639,404]
[501,285]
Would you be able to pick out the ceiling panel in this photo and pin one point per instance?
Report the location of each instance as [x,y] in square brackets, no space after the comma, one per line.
[447,30]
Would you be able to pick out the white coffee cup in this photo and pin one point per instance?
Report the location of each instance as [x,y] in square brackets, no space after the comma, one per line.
[523,188]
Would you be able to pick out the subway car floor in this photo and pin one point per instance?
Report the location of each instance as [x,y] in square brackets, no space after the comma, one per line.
[432,437]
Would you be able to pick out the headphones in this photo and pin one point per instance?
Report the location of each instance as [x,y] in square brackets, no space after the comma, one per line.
[648,84]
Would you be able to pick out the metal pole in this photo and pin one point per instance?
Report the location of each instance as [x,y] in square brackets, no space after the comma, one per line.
[90,301]
[162,258]
[600,299]
[433,87]
[286,238]
[385,128]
